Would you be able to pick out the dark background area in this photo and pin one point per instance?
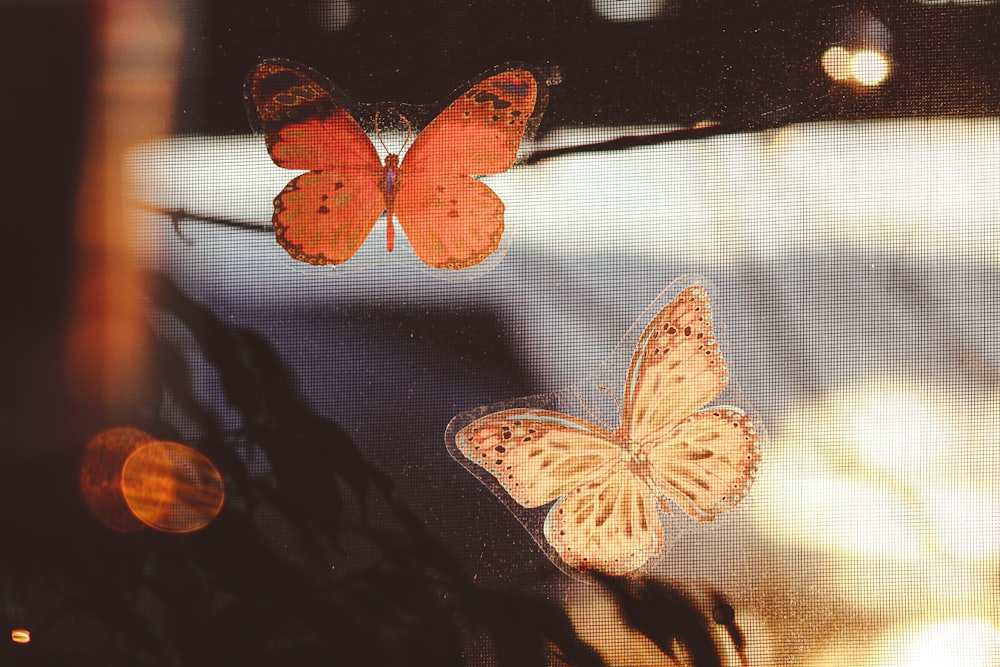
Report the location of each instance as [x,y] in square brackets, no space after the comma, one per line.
[746,64]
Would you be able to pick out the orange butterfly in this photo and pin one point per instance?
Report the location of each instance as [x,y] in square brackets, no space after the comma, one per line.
[610,486]
[452,220]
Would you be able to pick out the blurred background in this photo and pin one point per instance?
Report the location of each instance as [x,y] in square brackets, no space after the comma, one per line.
[827,169]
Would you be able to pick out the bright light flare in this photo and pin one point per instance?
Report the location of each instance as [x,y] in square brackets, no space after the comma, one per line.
[861,67]
[869,67]
[837,63]
[897,431]
[100,476]
[172,488]
[630,11]
[20,636]
[969,642]
[334,15]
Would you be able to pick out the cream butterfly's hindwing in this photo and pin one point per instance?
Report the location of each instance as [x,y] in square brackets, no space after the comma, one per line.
[609,487]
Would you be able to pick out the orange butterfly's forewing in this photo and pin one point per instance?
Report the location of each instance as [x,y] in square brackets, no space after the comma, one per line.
[608,486]
[452,220]
[480,132]
[304,126]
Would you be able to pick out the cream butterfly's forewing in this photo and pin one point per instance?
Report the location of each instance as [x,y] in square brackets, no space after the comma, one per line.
[536,455]
[677,368]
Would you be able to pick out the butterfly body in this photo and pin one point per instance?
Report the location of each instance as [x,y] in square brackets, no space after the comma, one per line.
[451,219]
[388,182]
[610,487]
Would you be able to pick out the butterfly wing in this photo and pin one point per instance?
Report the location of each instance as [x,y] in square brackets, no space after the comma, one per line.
[537,455]
[481,131]
[677,368]
[609,523]
[708,462]
[702,460]
[324,216]
[451,220]
[605,519]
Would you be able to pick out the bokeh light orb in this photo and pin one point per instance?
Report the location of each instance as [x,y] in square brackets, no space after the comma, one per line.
[869,67]
[101,472]
[171,487]
[836,63]
[20,636]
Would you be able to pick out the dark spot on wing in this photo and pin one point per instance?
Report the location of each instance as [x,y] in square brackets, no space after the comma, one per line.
[483,97]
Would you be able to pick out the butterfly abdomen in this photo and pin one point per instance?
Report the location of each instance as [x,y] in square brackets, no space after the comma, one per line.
[388,186]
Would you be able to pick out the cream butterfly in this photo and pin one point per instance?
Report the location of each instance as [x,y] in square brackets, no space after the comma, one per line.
[611,486]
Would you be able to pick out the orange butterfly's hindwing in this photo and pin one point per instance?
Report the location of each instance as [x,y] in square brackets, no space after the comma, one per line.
[610,488]
[453,222]
[323,217]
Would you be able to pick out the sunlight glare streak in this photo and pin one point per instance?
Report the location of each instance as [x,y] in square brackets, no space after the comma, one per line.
[962,521]
[970,642]
[802,500]
[876,478]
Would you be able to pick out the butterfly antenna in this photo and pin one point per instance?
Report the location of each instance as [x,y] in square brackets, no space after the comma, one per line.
[406,141]
[409,131]
[378,134]
[591,413]
[614,396]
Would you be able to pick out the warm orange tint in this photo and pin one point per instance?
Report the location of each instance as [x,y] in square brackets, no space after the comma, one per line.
[20,636]
[101,474]
[132,92]
[171,487]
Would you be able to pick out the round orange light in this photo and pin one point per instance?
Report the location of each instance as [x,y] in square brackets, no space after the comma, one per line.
[171,487]
[101,473]
[20,636]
